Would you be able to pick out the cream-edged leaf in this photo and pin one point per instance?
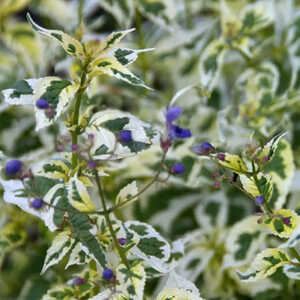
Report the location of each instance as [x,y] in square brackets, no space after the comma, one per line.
[106,127]
[282,223]
[111,67]
[234,163]
[72,46]
[177,294]
[152,247]
[127,193]
[59,248]
[57,92]
[265,264]
[78,196]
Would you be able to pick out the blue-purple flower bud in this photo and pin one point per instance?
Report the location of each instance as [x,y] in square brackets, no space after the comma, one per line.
[204,149]
[37,203]
[92,164]
[42,104]
[122,241]
[221,156]
[13,167]
[107,274]
[125,136]
[177,168]
[259,200]
[78,281]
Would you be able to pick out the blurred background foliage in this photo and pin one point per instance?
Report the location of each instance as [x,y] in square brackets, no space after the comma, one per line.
[253,91]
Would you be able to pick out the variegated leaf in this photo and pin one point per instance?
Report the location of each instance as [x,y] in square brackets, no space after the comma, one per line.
[282,223]
[234,163]
[292,270]
[127,193]
[152,247]
[122,10]
[131,282]
[210,64]
[78,196]
[177,294]
[260,187]
[265,264]
[106,126]
[243,241]
[77,256]
[72,46]
[111,67]
[59,248]
[56,91]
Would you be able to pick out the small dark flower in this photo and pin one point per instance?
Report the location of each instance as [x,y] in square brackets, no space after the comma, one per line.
[165,143]
[92,164]
[74,147]
[49,112]
[221,156]
[37,203]
[259,200]
[78,281]
[13,167]
[125,136]
[217,184]
[107,274]
[204,149]
[265,159]
[42,104]
[174,131]
[286,220]
[122,241]
[177,168]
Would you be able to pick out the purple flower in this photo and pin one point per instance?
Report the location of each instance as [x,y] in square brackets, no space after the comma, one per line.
[13,167]
[286,220]
[92,164]
[122,241]
[107,274]
[174,131]
[74,147]
[221,156]
[37,203]
[259,200]
[42,104]
[177,168]
[78,281]
[125,136]
[204,149]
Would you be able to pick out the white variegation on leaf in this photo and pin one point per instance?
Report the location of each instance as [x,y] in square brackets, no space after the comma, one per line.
[292,270]
[123,11]
[127,193]
[77,257]
[260,187]
[152,247]
[211,63]
[234,163]
[277,225]
[265,264]
[177,294]
[72,46]
[59,248]
[131,284]
[244,240]
[106,126]
[281,168]
[13,190]
[56,91]
[160,12]
[78,195]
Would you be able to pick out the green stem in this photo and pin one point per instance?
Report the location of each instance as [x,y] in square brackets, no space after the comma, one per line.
[108,221]
[75,132]
[80,12]
[141,42]
[188,14]
[147,186]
